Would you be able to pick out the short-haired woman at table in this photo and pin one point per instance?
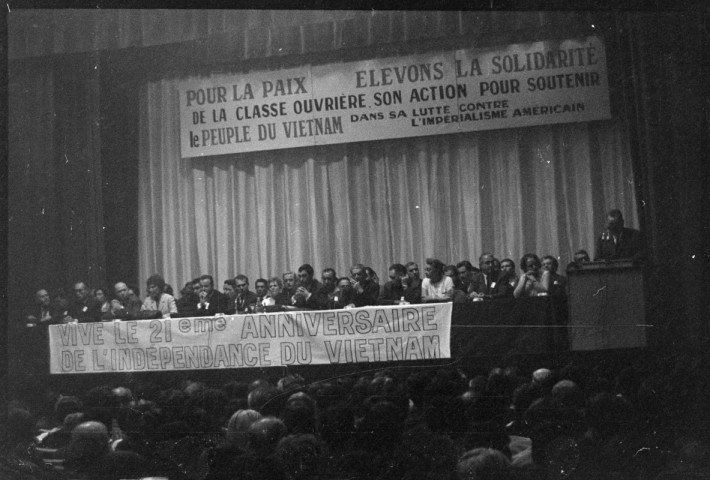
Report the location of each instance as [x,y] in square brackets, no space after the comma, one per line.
[534,281]
[436,287]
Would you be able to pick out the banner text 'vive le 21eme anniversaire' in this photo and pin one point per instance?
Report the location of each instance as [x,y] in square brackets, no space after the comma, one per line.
[360,335]
[411,96]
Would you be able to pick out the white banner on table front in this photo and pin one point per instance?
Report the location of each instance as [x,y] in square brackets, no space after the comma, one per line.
[370,334]
[511,86]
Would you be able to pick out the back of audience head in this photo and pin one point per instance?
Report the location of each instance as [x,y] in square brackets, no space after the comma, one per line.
[484,464]
[264,435]
[238,427]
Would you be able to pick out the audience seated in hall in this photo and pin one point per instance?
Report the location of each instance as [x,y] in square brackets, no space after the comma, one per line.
[593,420]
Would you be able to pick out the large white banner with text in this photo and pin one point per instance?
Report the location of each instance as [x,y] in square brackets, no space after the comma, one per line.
[370,334]
[439,93]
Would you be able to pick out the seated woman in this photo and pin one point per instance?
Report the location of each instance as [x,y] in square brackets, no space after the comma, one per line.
[534,281]
[437,287]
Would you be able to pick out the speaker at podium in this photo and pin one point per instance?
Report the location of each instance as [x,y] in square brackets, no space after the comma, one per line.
[606,306]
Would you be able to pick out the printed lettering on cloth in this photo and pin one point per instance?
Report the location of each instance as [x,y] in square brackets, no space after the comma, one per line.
[507,86]
[359,335]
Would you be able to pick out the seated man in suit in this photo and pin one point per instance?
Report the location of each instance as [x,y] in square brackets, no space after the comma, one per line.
[485,285]
[246,299]
[123,307]
[558,283]
[84,308]
[397,289]
[289,285]
[618,242]
[261,289]
[230,293]
[365,292]
[307,290]
[211,301]
[41,313]
[329,281]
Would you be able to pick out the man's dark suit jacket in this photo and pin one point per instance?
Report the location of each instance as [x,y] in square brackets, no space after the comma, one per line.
[246,301]
[392,292]
[86,312]
[493,288]
[628,245]
[313,302]
[369,295]
[217,304]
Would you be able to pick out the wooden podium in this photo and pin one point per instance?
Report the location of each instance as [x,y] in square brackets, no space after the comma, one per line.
[606,306]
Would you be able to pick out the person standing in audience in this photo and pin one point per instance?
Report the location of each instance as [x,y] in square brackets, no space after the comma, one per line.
[157,299]
[329,281]
[308,287]
[246,299]
[436,287]
[618,242]
[397,290]
[558,283]
[230,292]
[534,281]
[289,285]
[84,308]
[365,292]
[211,301]
[261,289]
[276,291]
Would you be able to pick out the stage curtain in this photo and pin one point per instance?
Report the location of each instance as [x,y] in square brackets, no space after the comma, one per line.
[544,189]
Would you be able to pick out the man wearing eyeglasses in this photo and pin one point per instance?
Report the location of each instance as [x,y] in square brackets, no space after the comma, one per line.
[306,295]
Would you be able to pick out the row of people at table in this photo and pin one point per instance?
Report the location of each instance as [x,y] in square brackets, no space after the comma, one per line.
[460,283]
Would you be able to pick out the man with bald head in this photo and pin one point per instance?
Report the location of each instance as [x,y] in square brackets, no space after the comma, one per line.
[484,285]
[41,313]
[84,308]
[123,307]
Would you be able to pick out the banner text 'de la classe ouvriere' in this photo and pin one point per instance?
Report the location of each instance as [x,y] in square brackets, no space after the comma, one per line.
[370,334]
[510,86]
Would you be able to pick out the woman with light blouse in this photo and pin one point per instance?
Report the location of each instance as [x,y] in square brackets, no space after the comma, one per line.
[534,281]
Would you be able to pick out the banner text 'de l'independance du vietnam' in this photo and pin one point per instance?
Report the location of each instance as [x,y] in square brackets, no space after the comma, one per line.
[371,334]
[439,93]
